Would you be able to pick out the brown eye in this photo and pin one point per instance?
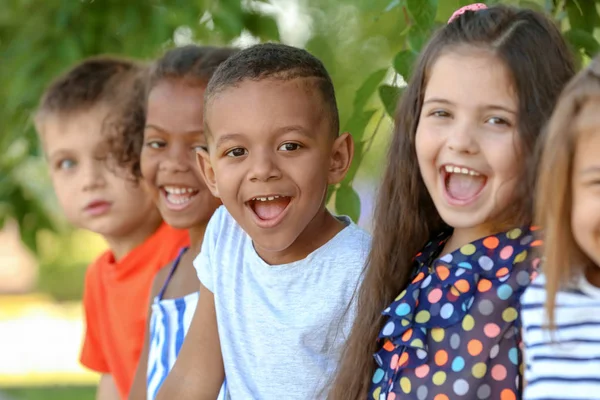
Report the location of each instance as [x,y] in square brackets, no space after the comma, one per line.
[237,152]
[289,147]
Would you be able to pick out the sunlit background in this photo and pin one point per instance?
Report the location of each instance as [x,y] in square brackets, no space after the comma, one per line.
[367,45]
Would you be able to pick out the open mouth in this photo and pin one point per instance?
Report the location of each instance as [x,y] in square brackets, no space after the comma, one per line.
[269,209]
[178,197]
[462,185]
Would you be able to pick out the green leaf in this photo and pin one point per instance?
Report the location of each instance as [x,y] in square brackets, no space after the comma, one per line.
[417,37]
[422,11]
[582,15]
[403,63]
[393,4]
[366,90]
[583,40]
[261,26]
[228,17]
[389,97]
[357,123]
[347,202]
[356,161]
[532,5]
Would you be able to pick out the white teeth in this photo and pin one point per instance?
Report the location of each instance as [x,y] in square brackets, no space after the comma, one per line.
[177,190]
[269,198]
[458,170]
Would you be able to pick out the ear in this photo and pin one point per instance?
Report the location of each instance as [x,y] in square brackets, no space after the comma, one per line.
[207,171]
[342,153]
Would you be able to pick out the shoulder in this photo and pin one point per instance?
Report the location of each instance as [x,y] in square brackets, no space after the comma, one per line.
[223,228]
[96,269]
[535,292]
[159,280]
[352,241]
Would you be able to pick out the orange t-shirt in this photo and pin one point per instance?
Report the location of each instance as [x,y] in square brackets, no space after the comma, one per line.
[116,301]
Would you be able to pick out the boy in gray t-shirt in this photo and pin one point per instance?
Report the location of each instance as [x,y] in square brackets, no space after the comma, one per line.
[277,270]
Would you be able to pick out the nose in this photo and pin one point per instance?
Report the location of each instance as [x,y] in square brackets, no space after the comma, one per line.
[263,167]
[94,175]
[177,158]
[463,139]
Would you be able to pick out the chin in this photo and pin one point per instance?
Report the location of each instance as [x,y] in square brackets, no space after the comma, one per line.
[276,243]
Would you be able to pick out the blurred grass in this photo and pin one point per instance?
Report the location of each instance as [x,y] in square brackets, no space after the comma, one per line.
[51,393]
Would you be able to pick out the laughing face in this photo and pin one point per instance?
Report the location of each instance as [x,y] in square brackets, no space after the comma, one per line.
[271,157]
[467,141]
[174,132]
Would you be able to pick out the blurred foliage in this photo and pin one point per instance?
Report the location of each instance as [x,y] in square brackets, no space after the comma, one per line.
[368,46]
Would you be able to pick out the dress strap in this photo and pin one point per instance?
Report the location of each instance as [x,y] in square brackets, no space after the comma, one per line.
[173,268]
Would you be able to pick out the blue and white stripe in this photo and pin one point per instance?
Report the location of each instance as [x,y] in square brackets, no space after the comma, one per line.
[564,363]
[169,323]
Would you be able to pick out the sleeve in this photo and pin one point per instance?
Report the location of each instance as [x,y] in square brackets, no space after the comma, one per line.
[92,355]
[203,262]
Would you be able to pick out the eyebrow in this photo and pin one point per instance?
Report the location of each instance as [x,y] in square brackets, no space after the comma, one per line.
[57,153]
[227,137]
[158,128]
[594,169]
[280,131]
[487,107]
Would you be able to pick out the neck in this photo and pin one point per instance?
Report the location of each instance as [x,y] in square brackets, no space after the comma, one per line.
[319,231]
[196,238]
[121,245]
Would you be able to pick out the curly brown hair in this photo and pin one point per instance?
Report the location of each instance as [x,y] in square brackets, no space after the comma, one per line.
[540,63]
[193,64]
[103,79]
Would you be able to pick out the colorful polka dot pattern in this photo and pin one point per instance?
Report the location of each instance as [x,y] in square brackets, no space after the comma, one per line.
[453,332]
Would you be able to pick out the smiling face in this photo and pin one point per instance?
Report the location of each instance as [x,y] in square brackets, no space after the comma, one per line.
[94,195]
[272,156]
[467,141]
[174,133]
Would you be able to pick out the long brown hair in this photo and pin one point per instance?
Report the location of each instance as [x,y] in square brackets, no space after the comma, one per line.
[563,259]
[536,55]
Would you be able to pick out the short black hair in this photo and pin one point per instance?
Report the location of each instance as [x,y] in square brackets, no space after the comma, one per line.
[278,61]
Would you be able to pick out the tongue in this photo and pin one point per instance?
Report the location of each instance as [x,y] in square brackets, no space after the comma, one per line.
[463,187]
[270,209]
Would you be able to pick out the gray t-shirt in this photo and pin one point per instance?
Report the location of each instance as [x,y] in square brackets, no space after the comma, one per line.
[281,327]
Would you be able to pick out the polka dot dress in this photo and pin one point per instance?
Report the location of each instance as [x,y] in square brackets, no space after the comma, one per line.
[453,332]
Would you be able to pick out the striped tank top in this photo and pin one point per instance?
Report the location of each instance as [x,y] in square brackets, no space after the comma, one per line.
[565,363]
[169,323]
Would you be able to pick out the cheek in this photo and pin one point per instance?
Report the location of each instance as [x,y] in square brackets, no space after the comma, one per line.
[585,217]
[425,148]
[503,157]
[148,166]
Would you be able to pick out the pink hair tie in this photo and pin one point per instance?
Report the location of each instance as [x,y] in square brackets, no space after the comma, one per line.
[470,7]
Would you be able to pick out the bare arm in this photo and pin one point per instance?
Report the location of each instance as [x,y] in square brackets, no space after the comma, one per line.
[198,372]
[107,389]
[138,388]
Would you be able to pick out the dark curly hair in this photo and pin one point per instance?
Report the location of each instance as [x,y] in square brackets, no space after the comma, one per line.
[193,64]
